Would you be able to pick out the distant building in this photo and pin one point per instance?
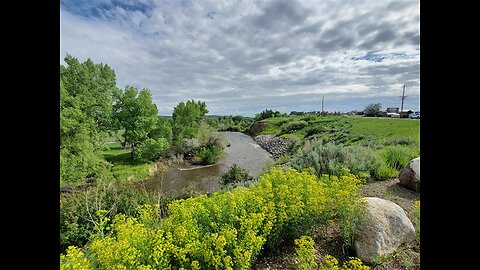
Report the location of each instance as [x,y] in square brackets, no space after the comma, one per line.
[405,113]
[393,110]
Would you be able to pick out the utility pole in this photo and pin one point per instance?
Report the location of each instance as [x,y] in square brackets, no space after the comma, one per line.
[403,98]
[323,98]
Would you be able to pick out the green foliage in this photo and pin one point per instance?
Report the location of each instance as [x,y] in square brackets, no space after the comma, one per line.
[373,109]
[226,230]
[187,117]
[309,131]
[294,125]
[74,259]
[123,168]
[267,113]
[208,154]
[384,172]
[236,123]
[85,116]
[397,156]
[151,149]
[351,264]
[234,175]
[79,220]
[305,251]
[163,129]
[331,159]
[135,112]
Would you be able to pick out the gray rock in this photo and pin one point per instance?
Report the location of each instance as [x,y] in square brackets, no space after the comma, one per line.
[274,145]
[409,176]
[386,227]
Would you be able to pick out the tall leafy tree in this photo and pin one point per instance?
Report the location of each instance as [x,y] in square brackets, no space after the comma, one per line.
[135,112]
[85,115]
[187,117]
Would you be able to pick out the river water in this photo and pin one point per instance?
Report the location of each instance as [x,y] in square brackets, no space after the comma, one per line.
[243,151]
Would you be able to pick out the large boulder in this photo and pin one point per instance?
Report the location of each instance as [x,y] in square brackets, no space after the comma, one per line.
[409,176]
[385,228]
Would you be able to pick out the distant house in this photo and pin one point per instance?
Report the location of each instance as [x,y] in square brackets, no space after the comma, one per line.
[393,110]
[405,113]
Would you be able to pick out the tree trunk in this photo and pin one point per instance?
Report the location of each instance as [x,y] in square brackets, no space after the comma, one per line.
[132,153]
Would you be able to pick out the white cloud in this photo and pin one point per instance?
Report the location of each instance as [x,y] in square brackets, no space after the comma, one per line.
[240,56]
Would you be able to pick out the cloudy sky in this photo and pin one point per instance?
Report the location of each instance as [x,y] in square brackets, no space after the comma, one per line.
[243,56]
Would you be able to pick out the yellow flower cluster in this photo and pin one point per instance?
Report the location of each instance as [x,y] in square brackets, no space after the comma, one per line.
[305,251]
[351,264]
[226,230]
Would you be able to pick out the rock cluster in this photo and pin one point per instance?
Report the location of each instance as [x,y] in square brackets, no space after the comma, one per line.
[274,145]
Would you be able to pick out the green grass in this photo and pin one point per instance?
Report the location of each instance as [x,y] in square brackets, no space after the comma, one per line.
[384,128]
[123,169]
[384,131]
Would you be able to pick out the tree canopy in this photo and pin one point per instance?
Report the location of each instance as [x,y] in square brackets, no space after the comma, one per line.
[135,113]
[85,115]
[373,109]
[187,117]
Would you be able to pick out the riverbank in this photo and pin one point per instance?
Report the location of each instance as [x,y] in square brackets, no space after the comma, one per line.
[274,145]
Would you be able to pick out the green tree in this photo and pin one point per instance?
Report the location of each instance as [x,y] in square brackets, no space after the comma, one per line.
[187,117]
[373,109]
[85,116]
[135,112]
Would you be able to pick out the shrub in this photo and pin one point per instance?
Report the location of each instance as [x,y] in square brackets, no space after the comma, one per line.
[208,154]
[397,156]
[331,159]
[309,131]
[152,149]
[309,117]
[294,125]
[351,264]
[226,230]
[384,172]
[305,252]
[78,210]
[234,175]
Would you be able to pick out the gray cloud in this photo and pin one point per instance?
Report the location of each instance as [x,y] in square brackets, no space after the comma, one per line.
[244,56]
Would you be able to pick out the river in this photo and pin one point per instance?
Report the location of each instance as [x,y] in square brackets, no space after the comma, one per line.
[243,151]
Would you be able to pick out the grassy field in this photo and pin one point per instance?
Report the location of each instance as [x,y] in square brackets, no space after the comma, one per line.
[123,169]
[348,130]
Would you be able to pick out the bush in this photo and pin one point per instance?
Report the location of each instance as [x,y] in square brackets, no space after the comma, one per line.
[209,154]
[384,172]
[397,156]
[331,159]
[294,125]
[78,210]
[309,131]
[234,175]
[305,252]
[152,149]
[226,230]
[351,264]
